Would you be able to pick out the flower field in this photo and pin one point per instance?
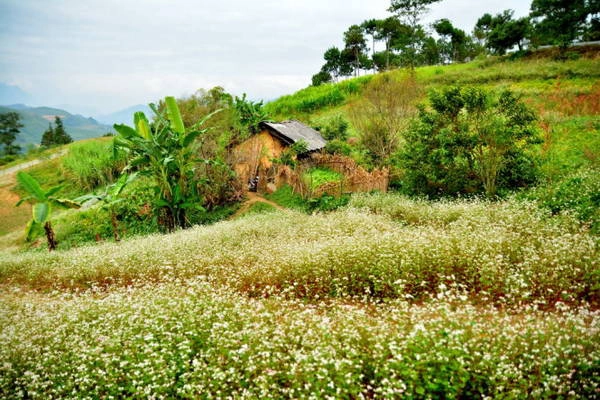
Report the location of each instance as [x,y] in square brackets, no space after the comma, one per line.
[386,298]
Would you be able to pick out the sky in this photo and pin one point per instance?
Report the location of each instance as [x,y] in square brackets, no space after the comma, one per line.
[98,56]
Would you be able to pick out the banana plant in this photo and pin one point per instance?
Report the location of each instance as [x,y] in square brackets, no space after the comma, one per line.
[43,202]
[110,198]
[165,152]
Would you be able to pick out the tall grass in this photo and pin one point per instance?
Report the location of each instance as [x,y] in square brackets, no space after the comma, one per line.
[314,98]
[497,71]
[493,71]
[91,164]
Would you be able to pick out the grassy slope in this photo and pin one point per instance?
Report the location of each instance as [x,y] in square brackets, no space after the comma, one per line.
[555,89]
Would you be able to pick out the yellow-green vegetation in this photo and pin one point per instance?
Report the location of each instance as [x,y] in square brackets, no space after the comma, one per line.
[388,296]
[316,177]
[92,163]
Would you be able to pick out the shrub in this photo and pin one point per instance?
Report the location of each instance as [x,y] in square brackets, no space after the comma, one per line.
[334,128]
[338,147]
[383,115]
[470,141]
[577,193]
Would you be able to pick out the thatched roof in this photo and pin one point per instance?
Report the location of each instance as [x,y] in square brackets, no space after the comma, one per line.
[291,132]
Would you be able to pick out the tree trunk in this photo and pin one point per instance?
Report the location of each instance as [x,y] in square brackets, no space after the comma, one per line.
[50,236]
[388,44]
[115,226]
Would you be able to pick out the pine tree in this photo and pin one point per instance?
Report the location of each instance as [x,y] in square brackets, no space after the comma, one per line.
[60,135]
[9,129]
[57,135]
[48,137]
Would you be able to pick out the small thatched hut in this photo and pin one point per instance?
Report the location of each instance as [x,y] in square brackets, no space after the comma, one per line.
[254,157]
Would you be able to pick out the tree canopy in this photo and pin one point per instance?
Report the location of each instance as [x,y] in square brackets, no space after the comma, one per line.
[470,141]
[9,129]
[561,21]
[56,135]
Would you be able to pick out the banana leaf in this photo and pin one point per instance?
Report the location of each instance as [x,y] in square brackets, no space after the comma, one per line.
[126,131]
[141,124]
[29,229]
[24,199]
[41,211]
[66,203]
[31,186]
[174,116]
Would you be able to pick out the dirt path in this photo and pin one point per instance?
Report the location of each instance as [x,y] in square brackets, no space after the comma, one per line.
[25,165]
[254,198]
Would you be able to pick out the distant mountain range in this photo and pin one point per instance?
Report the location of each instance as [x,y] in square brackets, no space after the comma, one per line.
[36,120]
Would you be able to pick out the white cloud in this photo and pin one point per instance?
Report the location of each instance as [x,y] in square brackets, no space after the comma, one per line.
[109,54]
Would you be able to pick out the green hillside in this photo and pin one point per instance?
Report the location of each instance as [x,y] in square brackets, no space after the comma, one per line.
[564,94]
[36,120]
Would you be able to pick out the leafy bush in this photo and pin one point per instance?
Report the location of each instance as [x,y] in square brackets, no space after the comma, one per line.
[470,141]
[133,215]
[338,147]
[383,115]
[577,193]
[334,128]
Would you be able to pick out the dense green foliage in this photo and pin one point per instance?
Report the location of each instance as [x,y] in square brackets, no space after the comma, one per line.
[56,135]
[9,129]
[577,193]
[561,21]
[165,152]
[501,32]
[470,141]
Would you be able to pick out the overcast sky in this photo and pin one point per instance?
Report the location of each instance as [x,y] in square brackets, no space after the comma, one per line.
[99,56]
